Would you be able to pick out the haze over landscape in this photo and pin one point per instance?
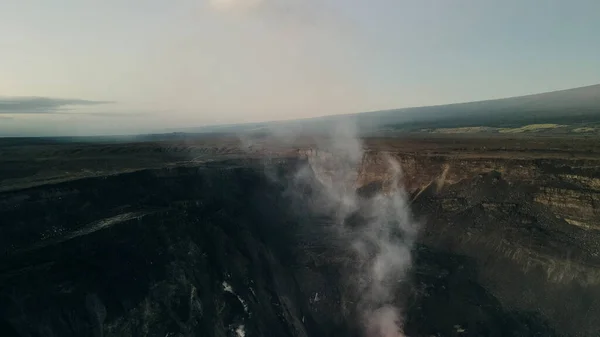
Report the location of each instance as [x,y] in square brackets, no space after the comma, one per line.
[300,168]
[76,68]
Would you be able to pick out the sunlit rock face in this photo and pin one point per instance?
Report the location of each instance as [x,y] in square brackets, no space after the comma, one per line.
[228,249]
[535,221]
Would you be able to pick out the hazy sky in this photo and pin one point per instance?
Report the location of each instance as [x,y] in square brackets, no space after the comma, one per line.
[118,66]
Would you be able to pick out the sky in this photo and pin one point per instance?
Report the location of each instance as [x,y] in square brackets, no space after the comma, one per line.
[81,67]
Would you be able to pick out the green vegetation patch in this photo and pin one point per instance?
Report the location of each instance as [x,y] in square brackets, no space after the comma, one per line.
[531,128]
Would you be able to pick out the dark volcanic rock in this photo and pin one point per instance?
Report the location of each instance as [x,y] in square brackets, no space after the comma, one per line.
[205,254]
[221,250]
[530,258]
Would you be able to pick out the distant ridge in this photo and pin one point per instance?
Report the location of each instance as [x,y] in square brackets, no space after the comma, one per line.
[571,106]
[578,105]
[580,93]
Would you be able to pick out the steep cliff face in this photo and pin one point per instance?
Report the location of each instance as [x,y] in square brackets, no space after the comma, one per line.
[531,225]
[568,188]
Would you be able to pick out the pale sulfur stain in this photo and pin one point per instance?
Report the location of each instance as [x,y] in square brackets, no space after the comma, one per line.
[228,288]
[240,331]
[459,329]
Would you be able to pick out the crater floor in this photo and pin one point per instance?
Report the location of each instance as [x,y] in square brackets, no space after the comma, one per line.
[210,244]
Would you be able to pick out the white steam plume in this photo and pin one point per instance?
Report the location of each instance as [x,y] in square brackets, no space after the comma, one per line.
[379,242]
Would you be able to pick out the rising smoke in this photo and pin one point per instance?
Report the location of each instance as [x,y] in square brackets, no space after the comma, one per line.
[377,229]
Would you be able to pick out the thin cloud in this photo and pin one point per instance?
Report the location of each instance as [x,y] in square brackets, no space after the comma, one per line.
[37,105]
[118,114]
[234,5]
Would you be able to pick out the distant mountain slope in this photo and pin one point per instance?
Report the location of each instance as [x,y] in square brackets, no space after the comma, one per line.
[571,106]
[579,105]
